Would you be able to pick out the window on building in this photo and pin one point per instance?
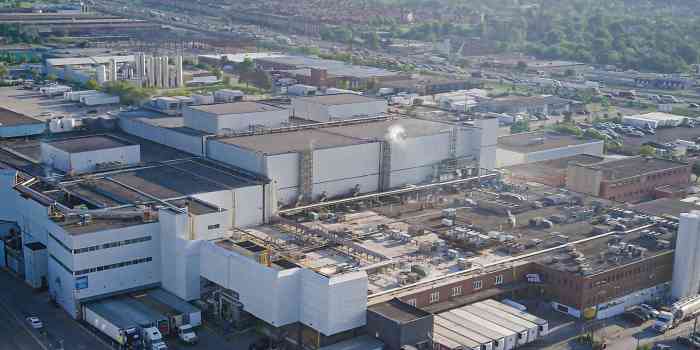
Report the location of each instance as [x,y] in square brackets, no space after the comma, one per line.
[411,302]
[213,227]
[477,284]
[456,291]
[435,296]
[499,280]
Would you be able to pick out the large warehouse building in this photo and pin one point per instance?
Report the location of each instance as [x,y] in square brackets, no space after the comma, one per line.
[324,108]
[539,146]
[331,161]
[239,116]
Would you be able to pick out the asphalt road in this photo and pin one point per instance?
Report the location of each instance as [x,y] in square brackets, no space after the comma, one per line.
[17,301]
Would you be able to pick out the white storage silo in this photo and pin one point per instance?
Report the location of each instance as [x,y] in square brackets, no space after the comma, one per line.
[686,261]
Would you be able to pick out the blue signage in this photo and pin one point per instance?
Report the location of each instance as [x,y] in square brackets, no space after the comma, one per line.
[81,283]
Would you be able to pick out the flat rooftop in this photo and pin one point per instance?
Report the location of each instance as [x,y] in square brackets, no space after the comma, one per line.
[595,255]
[89,143]
[12,118]
[338,99]
[404,128]
[162,121]
[293,141]
[540,141]
[398,311]
[194,206]
[165,182]
[119,218]
[634,166]
[236,108]
[666,207]
[552,167]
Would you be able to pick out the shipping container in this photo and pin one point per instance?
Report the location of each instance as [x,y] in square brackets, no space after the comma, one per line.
[506,339]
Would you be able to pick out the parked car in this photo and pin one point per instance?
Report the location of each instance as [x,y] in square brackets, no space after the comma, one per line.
[35,322]
[635,316]
[662,347]
[689,342]
[652,312]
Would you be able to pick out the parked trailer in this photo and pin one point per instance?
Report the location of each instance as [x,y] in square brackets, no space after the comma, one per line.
[122,318]
[542,324]
[74,96]
[497,340]
[520,330]
[484,342]
[487,328]
[443,343]
[99,99]
[191,314]
[466,343]
[529,326]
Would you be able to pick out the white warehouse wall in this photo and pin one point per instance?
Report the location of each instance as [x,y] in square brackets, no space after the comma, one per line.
[237,156]
[82,162]
[307,108]
[333,305]
[413,159]
[184,142]
[213,123]
[180,267]
[337,170]
[329,305]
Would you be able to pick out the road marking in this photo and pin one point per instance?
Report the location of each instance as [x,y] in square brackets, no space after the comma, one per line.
[24,325]
[109,346]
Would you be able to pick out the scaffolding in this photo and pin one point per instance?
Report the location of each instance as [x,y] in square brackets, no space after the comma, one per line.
[385,171]
[306,174]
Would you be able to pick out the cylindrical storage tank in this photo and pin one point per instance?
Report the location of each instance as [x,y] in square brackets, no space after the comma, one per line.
[686,261]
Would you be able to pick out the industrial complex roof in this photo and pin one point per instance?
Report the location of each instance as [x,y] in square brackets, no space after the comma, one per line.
[338,99]
[398,311]
[87,60]
[634,166]
[337,68]
[403,128]
[666,206]
[162,121]
[89,143]
[236,108]
[293,141]
[540,141]
[11,118]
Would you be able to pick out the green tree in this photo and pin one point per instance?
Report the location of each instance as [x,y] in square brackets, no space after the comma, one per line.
[51,77]
[92,84]
[246,66]
[647,151]
[3,71]
[520,126]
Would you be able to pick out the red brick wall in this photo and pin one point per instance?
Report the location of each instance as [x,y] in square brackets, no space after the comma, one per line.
[637,188]
[488,280]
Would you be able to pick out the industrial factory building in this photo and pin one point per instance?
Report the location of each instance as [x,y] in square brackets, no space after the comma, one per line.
[237,116]
[530,147]
[630,179]
[324,108]
[330,161]
[135,222]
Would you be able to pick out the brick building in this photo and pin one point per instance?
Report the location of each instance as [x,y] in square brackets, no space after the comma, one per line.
[596,279]
[626,180]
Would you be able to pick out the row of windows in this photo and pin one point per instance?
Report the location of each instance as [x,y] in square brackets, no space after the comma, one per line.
[111,245]
[457,290]
[113,266]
